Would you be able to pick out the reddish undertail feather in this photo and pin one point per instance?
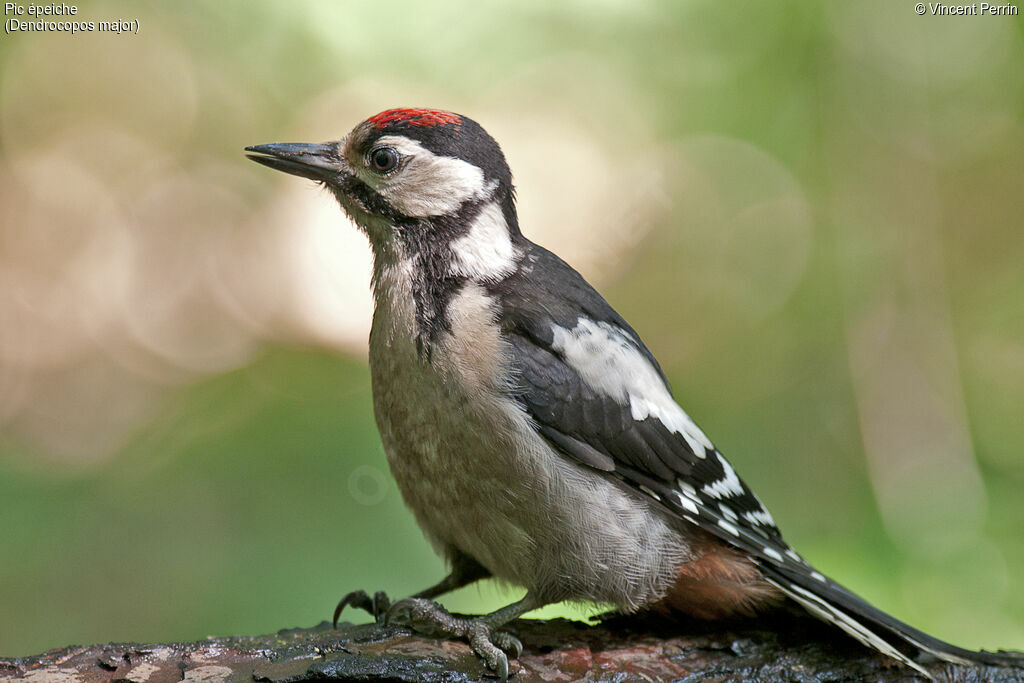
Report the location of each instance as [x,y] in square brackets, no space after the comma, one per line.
[423,118]
[723,583]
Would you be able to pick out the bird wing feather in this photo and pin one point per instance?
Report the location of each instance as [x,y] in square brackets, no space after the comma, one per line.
[597,395]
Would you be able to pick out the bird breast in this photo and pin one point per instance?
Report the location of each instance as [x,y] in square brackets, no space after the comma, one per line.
[480,479]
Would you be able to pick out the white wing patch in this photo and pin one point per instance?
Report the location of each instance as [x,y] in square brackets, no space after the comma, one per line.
[610,363]
[687,490]
[728,485]
[486,251]
[650,492]
[728,513]
[760,517]
[687,504]
[729,527]
[642,406]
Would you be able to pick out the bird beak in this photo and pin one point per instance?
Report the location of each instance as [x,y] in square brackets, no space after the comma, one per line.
[313,161]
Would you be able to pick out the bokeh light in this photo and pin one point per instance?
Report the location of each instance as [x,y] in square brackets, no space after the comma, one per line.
[811,213]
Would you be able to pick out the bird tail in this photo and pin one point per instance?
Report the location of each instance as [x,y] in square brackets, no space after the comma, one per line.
[833,603]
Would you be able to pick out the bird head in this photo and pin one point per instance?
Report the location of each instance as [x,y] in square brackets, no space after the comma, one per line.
[422,176]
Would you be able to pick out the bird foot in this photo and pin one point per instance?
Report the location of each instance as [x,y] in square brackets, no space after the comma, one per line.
[431,619]
[377,605]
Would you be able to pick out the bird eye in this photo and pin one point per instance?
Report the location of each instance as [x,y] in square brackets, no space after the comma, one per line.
[383,159]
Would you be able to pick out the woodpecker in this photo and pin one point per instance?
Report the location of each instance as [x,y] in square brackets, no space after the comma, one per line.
[531,432]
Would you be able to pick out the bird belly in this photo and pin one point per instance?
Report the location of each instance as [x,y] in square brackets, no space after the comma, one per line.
[480,480]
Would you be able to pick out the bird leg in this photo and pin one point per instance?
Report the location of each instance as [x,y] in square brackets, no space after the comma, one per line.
[465,570]
[491,645]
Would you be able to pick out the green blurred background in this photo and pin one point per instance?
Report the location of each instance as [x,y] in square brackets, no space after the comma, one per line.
[811,212]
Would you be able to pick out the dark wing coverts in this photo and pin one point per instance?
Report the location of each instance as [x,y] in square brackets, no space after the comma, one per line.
[597,427]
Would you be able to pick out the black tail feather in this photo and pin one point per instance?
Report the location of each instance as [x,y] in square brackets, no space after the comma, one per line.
[832,602]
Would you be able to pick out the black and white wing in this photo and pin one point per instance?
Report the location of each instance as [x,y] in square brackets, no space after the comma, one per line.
[598,396]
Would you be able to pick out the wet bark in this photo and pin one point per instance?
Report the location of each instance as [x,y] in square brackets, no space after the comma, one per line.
[780,648]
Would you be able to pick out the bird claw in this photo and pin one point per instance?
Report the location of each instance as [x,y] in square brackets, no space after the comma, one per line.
[431,619]
[377,606]
[507,642]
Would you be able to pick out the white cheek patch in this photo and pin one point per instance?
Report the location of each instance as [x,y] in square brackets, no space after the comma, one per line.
[608,362]
[486,251]
[427,184]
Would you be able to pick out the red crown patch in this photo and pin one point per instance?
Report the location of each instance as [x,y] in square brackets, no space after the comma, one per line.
[423,118]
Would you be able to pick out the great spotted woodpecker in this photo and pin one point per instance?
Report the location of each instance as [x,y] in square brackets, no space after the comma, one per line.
[530,430]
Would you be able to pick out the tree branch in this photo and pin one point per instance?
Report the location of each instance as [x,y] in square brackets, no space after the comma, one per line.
[781,647]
